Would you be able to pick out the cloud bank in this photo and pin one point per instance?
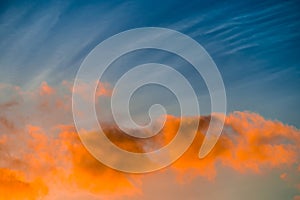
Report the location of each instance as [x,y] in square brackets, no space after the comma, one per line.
[42,156]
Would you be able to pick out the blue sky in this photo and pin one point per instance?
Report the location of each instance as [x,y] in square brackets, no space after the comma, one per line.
[254,44]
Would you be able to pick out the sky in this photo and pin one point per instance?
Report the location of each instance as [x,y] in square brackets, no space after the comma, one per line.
[255,46]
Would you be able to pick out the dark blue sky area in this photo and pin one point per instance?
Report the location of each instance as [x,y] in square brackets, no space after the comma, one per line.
[255,44]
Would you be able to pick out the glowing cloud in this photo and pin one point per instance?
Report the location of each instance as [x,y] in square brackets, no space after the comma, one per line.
[41,158]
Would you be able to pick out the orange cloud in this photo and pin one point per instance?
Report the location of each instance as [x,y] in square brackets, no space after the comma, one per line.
[87,172]
[249,143]
[284,176]
[37,152]
[297,197]
[83,89]
[14,186]
[45,89]
[259,143]
[46,160]
[103,89]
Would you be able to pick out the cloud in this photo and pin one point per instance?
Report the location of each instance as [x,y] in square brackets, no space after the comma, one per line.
[249,144]
[14,186]
[103,89]
[297,197]
[260,143]
[87,172]
[41,153]
[47,159]
[284,176]
[45,89]
[6,123]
